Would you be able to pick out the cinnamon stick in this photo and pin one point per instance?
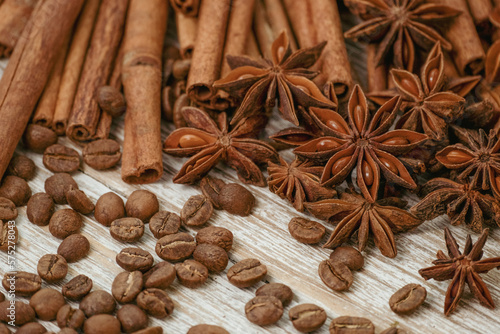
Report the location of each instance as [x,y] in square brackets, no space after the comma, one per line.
[187,28]
[14,14]
[29,68]
[252,49]
[186,7]
[142,79]
[377,75]
[263,31]
[301,19]
[278,19]
[480,11]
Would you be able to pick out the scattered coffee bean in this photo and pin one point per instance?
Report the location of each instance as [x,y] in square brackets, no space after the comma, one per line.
[102,324]
[155,302]
[8,236]
[175,247]
[64,223]
[57,185]
[215,235]
[159,276]
[196,211]
[210,187]
[394,330]
[98,302]
[24,312]
[307,317]
[349,256]
[40,209]
[207,329]
[79,201]
[75,247]
[236,199]
[70,317]
[47,303]
[150,330]
[142,204]
[335,275]
[22,167]
[278,290]
[132,259]
[264,310]
[306,231]
[77,288]
[163,223]
[37,138]
[61,159]
[353,325]
[111,100]
[108,208]
[32,328]
[132,318]
[127,229]
[407,299]
[52,267]
[23,283]
[102,154]
[126,286]
[211,256]
[246,273]
[8,210]
[191,273]
[15,189]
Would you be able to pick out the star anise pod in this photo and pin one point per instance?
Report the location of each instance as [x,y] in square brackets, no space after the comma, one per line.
[298,182]
[459,202]
[286,77]
[207,143]
[401,26]
[489,88]
[357,214]
[462,268]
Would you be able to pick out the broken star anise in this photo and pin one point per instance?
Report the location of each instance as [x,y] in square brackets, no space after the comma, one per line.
[208,143]
[462,268]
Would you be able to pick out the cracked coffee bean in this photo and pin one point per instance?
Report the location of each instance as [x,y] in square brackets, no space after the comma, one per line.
[98,302]
[70,317]
[52,267]
[307,317]
[8,210]
[215,235]
[133,258]
[278,290]
[102,323]
[77,288]
[102,154]
[213,257]
[175,247]
[8,235]
[24,312]
[210,187]
[126,286]
[40,209]
[132,318]
[159,276]
[127,229]
[349,256]
[196,211]
[191,273]
[79,201]
[264,310]
[23,283]
[352,325]
[246,273]
[61,159]
[164,223]
[155,302]
[207,329]
[335,275]
[407,299]
[305,230]
[58,185]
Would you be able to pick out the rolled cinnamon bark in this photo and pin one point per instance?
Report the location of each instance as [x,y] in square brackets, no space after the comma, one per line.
[377,75]
[264,34]
[480,11]
[252,49]
[141,76]
[299,13]
[14,14]
[34,57]
[278,20]
[187,7]
[187,28]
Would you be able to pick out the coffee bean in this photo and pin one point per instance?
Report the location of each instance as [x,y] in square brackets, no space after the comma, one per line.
[98,302]
[142,204]
[132,259]
[40,209]
[61,159]
[394,330]
[15,189]
[127,229]
[150,330]
[111,100]
[64,223]
[407,299]
[307,317]
[207,329]
[70,317]
[306,231]
[24,312]
[8,236]
[108,208]
[47,303]
[196,211]
[155,302]
[22,282]
[213,257]
[52,267]
[37,138]
[75,247]
[278,290]
[102,154]
[335,275]
[66,330]
[175,247]
[126,286]
[353,325]
[163,223]
[246,273]
[77,288]
[215,235]
[264,310]
[210,187]
[22,167]
[57,185]
[102,324]
[32,328]
[8,210]
[160,276]
[132,318]
[236,199]
[79,201]
[349,256]
[191,273]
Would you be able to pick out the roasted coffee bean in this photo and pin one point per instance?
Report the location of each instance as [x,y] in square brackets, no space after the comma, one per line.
[132,318]
[70,317]
[307,317]
[236,199]
[142,204]
[210,187]
[77,288]
[111,100]
[2,297]
[8,236]
[52,267]
[246,273]
[102,154]
[191,273]
[163,223]
[335,275]
[349,256]
[61,159]
[196,211]
[24,312]
[132,259]
[394,330]
[64,223]
[66,330]
[407,299]
[74,248]
[160,276]
[32,328]
[102,324]
[215,235]
[15,189]
[40,209]
[175,247]
[98,302]
[22,167]
[278,290]
[306,231]
[211,256]
[57,185]
[8,210]
[150,330]
[23,283]
[127,229]
[155,302]
[47,303]
[108,208]
[37,138]
[264,310]
[353,325]
[126,286]
[79,201]
[207,329]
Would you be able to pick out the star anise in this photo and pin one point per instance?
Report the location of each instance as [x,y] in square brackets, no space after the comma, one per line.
[401,25]
[286,77]
[489,88]
[298,182]
[208,143]
[355,213]
[462,268]
[459,202]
